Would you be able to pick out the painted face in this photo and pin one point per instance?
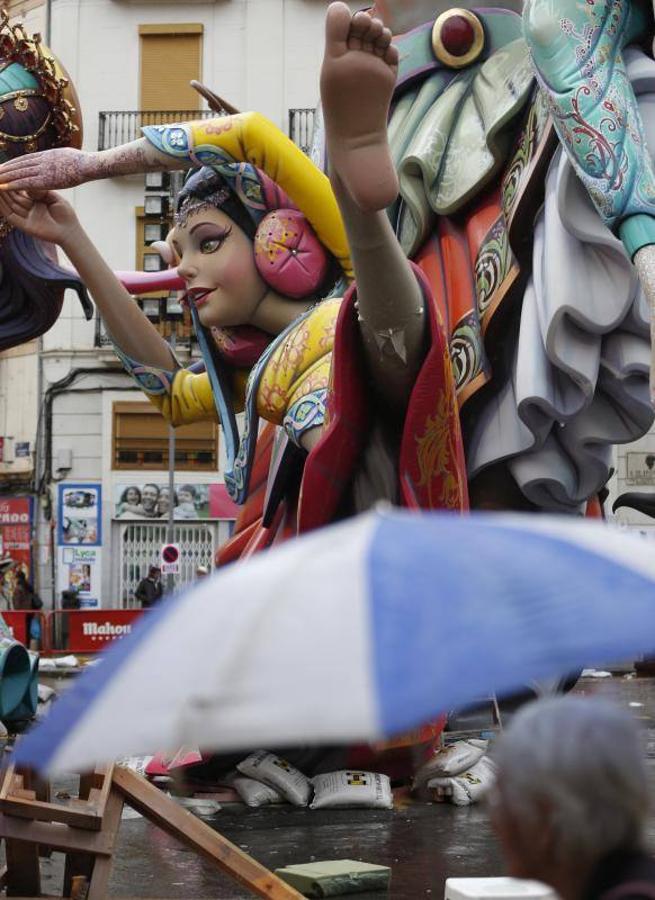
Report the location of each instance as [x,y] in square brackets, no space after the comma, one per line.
[185,497]
[132,496]
[217,256]
[163,505]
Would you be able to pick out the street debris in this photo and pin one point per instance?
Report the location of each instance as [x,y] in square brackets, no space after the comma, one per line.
[332,878]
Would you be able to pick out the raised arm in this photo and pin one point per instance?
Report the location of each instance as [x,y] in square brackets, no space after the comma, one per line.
[50,218]
[357,80]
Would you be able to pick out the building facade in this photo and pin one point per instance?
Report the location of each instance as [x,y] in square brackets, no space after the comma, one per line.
[83,443]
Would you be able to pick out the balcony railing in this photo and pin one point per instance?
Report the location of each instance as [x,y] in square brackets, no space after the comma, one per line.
[301,128]
[118,127]
[121,126]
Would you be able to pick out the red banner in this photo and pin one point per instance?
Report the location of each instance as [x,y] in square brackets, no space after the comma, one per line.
[17,622]
[89,630]
[16,539]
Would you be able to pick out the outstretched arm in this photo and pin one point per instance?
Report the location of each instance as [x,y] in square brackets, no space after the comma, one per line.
[66,167]
[50,218]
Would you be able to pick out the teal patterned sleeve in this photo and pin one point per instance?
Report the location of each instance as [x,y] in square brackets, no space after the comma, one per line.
[173,140]
[152,381]
[577,51]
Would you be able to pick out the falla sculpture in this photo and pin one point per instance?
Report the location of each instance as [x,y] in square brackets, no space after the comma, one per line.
[429,311]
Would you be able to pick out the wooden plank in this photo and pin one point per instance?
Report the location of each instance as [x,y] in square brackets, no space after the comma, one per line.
[85,819]
[105,790]
[23,871]
[99,882]
[191,831]
[55,835]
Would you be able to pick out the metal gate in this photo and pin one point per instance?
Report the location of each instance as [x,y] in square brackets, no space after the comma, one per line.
[140,544]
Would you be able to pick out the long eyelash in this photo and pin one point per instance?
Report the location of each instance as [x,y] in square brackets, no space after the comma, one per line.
[223,237]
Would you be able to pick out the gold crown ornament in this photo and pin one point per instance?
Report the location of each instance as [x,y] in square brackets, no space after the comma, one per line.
[43,89]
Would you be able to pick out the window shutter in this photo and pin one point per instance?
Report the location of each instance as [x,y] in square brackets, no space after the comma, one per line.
[169,61]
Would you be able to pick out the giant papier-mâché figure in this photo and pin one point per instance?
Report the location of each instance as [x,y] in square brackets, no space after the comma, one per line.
[38,110]
[535,300]
[509,360]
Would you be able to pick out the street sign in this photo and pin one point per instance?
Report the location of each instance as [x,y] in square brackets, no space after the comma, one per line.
[170,559]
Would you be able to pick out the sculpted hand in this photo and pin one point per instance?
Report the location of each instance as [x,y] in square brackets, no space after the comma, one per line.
[46,215]
[44,171]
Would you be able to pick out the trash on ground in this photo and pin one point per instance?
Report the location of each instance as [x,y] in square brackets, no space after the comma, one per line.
[352,789]
[333,878]
[67,662]
[595,673]
[137,764]
[202,808]
[278,774]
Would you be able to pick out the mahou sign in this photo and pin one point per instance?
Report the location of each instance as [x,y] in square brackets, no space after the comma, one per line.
[91,630]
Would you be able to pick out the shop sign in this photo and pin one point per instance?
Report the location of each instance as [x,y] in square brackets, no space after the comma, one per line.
[640,469]
[89,631]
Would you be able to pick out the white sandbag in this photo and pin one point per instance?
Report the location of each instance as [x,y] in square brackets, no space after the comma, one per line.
[467,787]
[451,760]
[278,774]
[351,789]
[256,793]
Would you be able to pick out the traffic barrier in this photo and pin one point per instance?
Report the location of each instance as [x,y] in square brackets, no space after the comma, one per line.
[18,621]
[86,630]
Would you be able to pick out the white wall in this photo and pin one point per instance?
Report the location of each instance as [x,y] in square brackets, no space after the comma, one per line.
[18,404]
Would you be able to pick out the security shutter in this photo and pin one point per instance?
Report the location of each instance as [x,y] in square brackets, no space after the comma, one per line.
[171,56]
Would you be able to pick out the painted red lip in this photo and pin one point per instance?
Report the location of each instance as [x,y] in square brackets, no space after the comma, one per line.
[196,295]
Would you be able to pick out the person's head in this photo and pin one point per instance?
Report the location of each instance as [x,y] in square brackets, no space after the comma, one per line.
[186,494]
[164,502]
[149,497]
[239,239]
[131,495]
[21,578]
[154,573]
[571,788]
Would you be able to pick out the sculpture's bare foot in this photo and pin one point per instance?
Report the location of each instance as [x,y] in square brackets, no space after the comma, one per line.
[359,72]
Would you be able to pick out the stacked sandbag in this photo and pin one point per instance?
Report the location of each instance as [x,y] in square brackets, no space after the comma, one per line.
[460,773]
[266,778]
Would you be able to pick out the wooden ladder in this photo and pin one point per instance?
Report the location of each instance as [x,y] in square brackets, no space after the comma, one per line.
[85,829]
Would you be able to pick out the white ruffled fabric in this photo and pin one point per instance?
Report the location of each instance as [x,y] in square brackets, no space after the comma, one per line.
[579,372]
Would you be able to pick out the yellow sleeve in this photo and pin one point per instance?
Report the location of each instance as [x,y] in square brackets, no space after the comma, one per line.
[180,395]
[250,137]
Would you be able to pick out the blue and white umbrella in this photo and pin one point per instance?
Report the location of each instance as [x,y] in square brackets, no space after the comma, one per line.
[356,633]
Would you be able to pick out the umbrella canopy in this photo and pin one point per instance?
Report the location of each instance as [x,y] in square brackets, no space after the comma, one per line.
[356,633]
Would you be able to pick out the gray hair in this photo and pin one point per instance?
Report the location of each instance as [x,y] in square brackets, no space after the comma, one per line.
[580,762]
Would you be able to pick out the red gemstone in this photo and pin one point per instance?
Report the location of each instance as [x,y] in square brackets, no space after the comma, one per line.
[457,35]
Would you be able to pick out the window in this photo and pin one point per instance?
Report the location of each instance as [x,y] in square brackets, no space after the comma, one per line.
[140,441]
[170,58]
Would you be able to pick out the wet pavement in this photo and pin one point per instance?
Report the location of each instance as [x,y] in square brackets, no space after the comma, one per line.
[423,843]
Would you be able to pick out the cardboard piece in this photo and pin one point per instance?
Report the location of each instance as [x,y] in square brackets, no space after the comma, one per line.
[336,877]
